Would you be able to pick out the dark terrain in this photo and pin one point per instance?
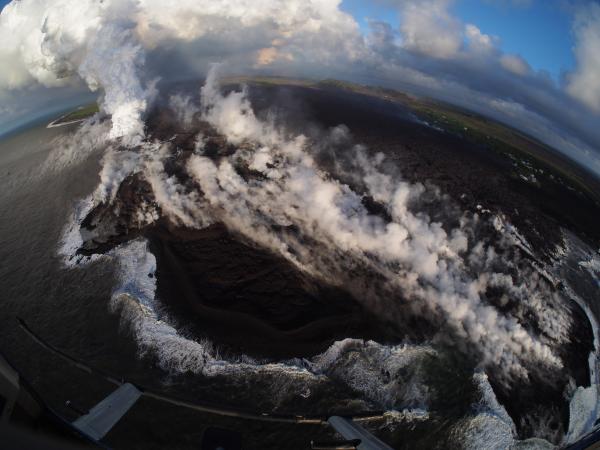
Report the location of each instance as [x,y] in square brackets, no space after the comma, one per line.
[247,300]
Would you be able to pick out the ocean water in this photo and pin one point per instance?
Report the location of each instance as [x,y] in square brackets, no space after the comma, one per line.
[68,307]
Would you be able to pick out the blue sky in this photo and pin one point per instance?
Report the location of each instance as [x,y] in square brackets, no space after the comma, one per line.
[539,31]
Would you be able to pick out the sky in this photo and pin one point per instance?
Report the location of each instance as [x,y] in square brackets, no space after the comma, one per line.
[539,31]
[533,64]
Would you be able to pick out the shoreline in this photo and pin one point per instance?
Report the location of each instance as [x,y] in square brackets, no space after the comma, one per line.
[54,123]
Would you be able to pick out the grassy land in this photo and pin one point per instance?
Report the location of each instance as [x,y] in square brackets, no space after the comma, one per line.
[83,112]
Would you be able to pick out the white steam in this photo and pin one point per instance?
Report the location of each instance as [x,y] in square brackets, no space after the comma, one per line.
[105,43]
[405,264]
[56,42]
[420,262]
[113,62]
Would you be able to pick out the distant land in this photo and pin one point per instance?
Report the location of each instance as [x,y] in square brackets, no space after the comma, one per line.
[532,159]
[77,115]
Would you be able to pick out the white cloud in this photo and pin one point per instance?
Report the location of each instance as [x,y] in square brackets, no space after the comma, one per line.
[427,27]
[478,41]
[584,82]
[515,64]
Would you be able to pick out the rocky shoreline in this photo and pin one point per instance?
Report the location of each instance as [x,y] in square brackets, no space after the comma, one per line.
[248,301]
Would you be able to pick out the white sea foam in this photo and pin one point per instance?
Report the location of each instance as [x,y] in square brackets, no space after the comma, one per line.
[71,238]
[584,407]
[490,427]
[592,265]
[366,366]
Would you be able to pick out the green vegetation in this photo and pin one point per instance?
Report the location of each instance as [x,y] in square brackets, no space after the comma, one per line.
[83,112]
[268,81]
[530,157]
